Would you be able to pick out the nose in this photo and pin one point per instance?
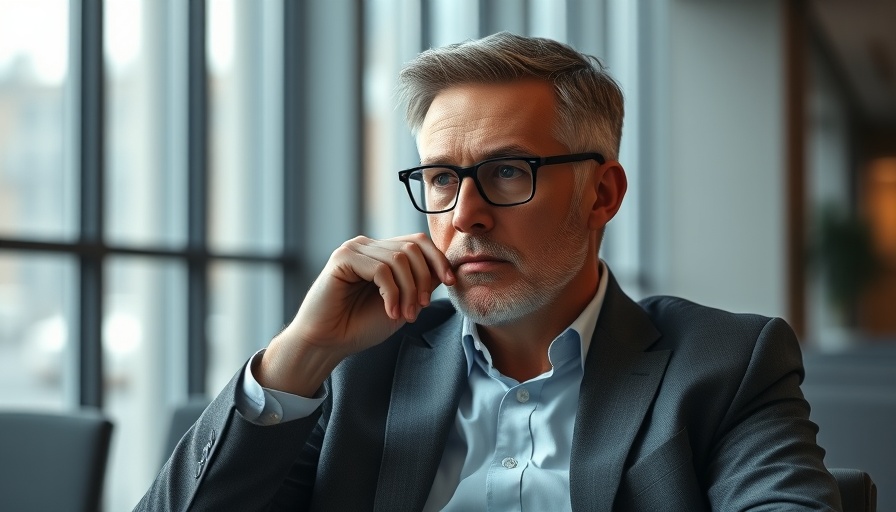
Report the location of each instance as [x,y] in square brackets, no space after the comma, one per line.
[471,214]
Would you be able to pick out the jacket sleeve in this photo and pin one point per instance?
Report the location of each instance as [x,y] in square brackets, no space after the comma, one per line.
[764,455]
[226,462]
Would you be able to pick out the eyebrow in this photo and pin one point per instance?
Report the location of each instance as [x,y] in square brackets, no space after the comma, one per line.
[502,151]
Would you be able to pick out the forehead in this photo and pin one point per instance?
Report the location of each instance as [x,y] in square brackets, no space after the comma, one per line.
[470,122]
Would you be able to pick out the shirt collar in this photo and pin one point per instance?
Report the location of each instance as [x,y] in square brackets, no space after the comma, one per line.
[583,326]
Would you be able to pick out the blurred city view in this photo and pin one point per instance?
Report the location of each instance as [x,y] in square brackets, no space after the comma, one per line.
[728,204]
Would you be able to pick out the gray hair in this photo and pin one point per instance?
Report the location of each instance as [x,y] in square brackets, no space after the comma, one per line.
[589,102]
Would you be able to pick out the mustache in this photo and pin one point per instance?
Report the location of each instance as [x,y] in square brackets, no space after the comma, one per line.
[480,246]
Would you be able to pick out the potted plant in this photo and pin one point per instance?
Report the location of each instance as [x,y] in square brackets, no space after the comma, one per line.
[844,255]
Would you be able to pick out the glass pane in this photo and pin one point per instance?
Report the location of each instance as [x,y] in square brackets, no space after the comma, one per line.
[36,330]
[245,312]
[36,189]
[548,19]
[621,247]
[145,151]
[245,125]
[144,365]
[453,21]
[388,146]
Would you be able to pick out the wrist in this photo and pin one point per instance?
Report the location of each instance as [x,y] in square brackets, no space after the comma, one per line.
[295,368]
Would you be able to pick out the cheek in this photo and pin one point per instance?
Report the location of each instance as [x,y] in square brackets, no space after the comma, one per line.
[440,230]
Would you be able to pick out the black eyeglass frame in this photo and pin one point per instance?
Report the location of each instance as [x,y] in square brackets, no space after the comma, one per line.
[472,173]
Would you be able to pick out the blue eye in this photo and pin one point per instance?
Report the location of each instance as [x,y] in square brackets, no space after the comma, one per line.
[443,179]
[509,172]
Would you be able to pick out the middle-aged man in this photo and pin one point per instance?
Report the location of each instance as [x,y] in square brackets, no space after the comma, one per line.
[540,385]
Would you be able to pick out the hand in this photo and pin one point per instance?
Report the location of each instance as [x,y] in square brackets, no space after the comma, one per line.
[367,291]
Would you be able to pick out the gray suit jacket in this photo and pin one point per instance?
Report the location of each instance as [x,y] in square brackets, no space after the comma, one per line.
[682,407]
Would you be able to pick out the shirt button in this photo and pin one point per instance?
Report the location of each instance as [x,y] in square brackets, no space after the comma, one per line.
[522,395]
[509,463]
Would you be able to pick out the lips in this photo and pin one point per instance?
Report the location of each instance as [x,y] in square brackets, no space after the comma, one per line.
[480,254]
[475,263]
[474,259]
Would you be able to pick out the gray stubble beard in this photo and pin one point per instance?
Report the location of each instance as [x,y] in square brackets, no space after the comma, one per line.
[531,293]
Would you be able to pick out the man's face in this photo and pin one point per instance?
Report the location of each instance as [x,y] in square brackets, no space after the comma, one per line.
[510,261]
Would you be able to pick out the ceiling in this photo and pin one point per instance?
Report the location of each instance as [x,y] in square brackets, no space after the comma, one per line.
[861,34]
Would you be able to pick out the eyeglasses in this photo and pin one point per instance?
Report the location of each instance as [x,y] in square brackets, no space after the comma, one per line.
[505,181]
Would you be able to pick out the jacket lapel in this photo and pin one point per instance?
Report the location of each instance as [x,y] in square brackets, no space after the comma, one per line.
[620,381]
[429,379]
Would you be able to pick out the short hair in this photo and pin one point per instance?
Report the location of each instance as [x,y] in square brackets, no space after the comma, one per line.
[589,102]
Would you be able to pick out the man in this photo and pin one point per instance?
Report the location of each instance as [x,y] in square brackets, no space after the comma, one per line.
[540,385]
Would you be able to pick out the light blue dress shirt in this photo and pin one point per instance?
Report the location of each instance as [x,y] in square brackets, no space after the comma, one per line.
[511,442]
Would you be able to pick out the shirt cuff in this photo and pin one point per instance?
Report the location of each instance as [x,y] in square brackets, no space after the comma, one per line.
[265,406]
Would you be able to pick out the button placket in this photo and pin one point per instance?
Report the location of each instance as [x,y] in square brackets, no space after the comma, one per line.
[515,411]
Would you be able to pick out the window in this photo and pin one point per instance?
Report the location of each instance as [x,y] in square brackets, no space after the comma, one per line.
[173,174]
[143,252]
[37,202]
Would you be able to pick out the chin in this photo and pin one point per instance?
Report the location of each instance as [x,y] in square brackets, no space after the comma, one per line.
[485,306]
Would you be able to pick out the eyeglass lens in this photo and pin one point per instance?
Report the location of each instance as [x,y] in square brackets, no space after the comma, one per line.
[503,182]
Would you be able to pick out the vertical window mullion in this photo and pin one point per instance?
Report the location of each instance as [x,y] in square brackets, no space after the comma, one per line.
[425,24]
[587,26]
[91,169]
[510,15]
[358,100]
[293,149]
[197,198]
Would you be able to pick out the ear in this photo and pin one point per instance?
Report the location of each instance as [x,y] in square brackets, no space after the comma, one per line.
[610,185]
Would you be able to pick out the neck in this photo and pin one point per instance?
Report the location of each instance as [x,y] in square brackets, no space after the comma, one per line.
[520,349]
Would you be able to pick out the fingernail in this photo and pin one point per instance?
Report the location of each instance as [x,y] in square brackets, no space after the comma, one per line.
[424,299]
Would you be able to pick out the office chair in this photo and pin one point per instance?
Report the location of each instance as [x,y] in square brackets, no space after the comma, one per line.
[53,461]
[853,398]
[857,491]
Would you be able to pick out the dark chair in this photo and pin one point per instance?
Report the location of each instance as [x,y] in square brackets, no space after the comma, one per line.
[853,398]
[181,420]
[857,491]
[53,461]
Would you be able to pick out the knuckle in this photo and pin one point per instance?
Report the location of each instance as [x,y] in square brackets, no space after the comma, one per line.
[413,247]
[400,258]
[382,269]
[342,252]
[358,240]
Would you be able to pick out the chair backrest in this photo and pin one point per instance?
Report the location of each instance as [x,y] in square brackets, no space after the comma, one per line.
[181,420]
[857,491]
[53,461]
[853,399]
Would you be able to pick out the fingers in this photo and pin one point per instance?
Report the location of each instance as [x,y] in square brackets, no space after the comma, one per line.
[405,270]
[438,263]
[401,274]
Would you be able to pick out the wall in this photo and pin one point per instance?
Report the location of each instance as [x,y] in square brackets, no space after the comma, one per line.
[716,163]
